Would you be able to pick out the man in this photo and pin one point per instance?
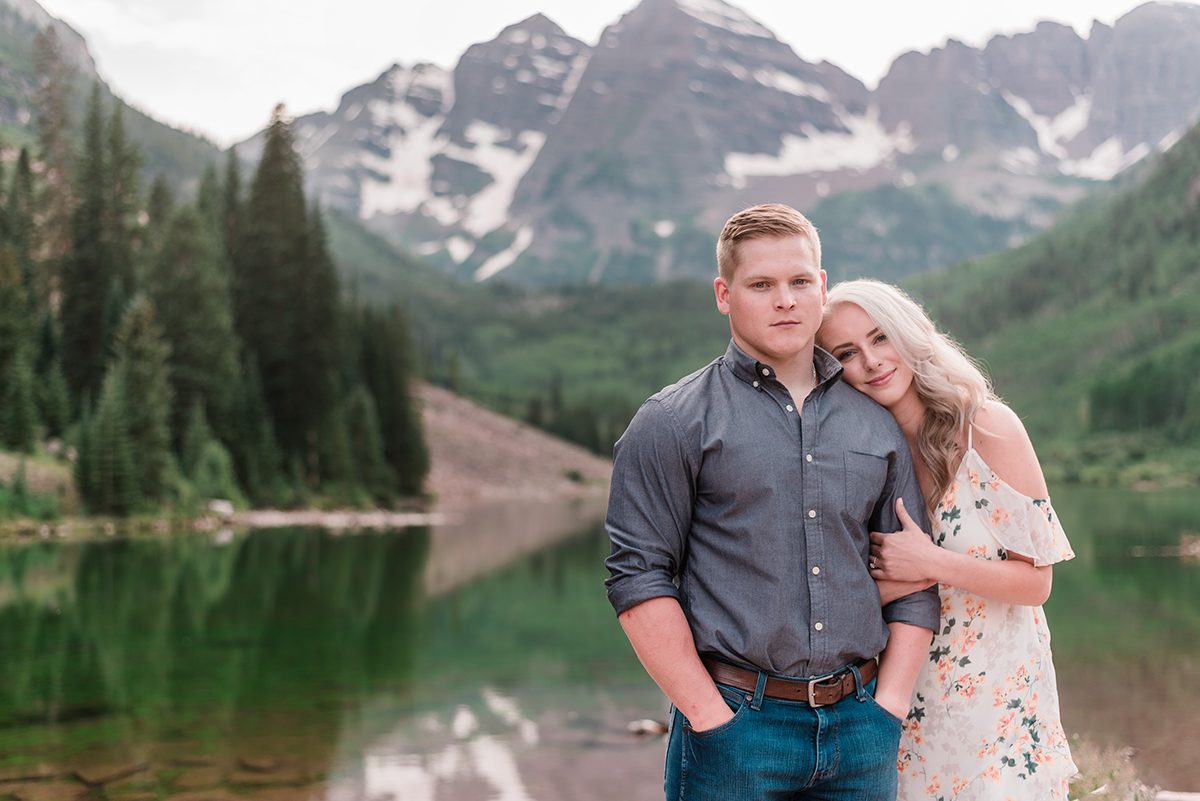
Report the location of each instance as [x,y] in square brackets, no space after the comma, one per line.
[741,505]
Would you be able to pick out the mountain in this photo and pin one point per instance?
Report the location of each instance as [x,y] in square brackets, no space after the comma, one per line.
[1092,329]
[180,156]
[547,162]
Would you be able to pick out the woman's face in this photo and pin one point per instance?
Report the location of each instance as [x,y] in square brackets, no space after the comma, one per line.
[871,363]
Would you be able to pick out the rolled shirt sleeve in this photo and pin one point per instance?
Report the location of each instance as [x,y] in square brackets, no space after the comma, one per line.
[650,508]
[921,608]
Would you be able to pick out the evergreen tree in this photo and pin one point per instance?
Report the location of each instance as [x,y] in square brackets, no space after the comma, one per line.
[106,472]
[387,371]
[366,444]
[213,475]
[206,462]
[54,400]
[255,453]
[284,291]
[190,292]
[140,361]
[23,233]
[195,435]
[15,329]
[123,201]
[159,204]
[52,119]
[209,200]
[20,422]
[88,273]
[337,463]
[231,208]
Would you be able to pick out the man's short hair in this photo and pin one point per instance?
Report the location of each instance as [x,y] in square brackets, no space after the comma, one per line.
[760,222]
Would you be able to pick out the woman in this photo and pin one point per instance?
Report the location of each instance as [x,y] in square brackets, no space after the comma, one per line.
[984,721]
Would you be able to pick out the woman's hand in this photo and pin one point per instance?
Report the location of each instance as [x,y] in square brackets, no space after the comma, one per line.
[907,555]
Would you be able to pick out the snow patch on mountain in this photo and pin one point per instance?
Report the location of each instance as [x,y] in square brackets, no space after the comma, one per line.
[865,145]
[1053,132]
[506,257]
[786,82]
[399,182]
[1106,161]
[459,248]
[488,209]
[724,16]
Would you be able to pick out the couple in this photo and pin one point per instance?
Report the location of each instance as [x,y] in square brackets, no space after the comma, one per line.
[802,649]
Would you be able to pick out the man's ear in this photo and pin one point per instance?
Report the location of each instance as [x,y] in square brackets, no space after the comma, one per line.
[721,290]
[824,288]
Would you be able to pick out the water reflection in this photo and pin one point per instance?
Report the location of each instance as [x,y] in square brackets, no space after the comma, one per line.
[462,751]
[473,662]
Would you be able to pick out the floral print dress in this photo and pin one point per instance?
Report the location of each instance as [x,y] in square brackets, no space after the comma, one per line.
[984,722]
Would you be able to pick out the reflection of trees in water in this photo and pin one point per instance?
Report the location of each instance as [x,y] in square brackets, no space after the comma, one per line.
[179,630]
[1107,604]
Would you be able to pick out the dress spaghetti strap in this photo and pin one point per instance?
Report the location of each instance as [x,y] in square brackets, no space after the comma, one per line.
[970,431]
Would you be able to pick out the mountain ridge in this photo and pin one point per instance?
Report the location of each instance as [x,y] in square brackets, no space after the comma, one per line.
[626,156]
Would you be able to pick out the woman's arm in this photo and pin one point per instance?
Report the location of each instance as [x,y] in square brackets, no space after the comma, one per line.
[908,555]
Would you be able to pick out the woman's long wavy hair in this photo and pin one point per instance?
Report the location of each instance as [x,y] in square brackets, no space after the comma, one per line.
[950,384]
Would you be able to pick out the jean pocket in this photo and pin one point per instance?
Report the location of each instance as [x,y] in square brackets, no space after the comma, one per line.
[737,701]
[895,720]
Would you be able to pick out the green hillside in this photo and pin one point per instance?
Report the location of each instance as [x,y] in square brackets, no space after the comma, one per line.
[578,362]
[1092,330]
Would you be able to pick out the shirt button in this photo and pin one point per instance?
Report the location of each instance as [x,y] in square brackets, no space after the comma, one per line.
[756,384]
[812,512]
[808,457]
[766,371]
[818,626]
[816,570]
[790,409]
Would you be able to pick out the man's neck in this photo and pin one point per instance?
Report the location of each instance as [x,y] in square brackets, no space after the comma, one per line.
[798,374]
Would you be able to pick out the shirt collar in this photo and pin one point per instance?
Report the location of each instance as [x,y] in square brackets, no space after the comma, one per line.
[753,371]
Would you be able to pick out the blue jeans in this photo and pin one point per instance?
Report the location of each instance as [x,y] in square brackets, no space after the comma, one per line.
[773,750]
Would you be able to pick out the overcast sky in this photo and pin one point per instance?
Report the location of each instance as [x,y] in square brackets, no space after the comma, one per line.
[218,67]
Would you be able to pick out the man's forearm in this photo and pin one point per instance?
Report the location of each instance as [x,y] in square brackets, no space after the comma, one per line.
[662,638]
[899,665]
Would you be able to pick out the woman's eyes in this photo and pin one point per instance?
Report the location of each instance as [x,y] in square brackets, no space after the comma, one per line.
[844,355]
[881,338]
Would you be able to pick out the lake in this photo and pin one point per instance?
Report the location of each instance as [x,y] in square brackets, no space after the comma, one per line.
[474,661]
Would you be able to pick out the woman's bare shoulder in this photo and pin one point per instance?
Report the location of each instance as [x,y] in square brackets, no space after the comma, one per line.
[1001,439]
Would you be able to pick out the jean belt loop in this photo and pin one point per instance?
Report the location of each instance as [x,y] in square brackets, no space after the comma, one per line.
[759,689]
[860,692]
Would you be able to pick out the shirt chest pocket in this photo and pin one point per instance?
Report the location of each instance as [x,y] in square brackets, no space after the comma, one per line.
[866,476]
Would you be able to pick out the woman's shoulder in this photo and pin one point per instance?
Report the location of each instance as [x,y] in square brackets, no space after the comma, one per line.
[1000,439]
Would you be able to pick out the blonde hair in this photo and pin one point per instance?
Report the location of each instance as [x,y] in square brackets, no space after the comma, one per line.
[951,385]
[759,222]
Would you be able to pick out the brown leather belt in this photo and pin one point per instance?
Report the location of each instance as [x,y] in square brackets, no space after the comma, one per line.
[819,691]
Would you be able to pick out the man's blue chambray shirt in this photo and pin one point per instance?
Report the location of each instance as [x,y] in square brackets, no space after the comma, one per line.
[757,518]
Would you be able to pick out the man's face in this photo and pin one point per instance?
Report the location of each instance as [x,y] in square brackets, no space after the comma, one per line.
[774,299]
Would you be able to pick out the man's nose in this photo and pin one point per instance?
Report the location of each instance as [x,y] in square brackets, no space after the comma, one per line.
[785,298]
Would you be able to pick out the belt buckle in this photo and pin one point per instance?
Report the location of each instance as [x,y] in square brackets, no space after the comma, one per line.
[813,683]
